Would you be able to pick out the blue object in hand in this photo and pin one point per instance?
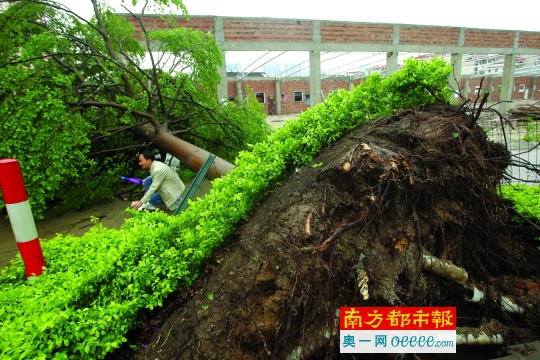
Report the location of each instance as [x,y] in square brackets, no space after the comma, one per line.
[133,180]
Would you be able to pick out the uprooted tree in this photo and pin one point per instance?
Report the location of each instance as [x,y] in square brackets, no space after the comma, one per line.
[80,98]
[404,210]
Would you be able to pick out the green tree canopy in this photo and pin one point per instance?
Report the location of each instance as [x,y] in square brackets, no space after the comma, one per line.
[79,99]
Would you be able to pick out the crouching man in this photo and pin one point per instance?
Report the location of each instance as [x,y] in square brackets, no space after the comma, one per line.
[163,186]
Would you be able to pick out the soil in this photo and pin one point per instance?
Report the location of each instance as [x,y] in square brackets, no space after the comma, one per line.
[387,194]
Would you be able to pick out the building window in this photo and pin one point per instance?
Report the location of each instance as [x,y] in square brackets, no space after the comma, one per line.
[308,98]
[521,87]
[477,90]
[298,96]
[282,97]
[260,97]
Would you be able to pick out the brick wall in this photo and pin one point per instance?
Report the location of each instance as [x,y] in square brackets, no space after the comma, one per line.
[497,82]
[231,89]
[488,38]
[268,87]
[328,85]
[285,30]
[417,35]
[154,22]
[288,87]
[473,83]
[526,81]
[267,30]
[332,32]
[529,40]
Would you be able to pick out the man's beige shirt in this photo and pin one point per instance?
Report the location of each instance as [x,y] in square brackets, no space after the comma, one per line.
[166,182]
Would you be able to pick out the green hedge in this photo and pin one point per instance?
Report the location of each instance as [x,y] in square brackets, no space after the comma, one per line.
[94,285]
[525,200]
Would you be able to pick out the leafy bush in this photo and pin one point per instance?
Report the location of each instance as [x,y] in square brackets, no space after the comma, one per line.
[95,182]
[525,199]
[419,82]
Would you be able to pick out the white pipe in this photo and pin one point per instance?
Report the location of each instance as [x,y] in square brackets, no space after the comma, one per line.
[478,295]
[481,339]
[510,306]
[445,269]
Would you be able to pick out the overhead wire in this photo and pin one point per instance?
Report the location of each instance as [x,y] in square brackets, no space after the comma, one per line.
[241,75]
[470,59]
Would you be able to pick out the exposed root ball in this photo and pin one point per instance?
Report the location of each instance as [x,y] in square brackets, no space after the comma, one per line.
[403,213]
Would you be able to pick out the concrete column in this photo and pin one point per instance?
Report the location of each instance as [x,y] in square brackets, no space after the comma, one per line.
[278,97]
[454,80]
[239,94]
[223,92]
[351,83]
[507,82]
[532,88]
[391,62]
[466,88]
[314,77]
[490,87]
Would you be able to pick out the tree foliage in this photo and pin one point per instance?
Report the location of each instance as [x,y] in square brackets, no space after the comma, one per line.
[411,86]
[78,97]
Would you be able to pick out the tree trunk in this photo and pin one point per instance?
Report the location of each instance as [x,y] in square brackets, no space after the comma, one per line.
[191,156]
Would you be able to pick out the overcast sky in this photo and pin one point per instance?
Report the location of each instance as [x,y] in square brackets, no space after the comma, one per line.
[491,14]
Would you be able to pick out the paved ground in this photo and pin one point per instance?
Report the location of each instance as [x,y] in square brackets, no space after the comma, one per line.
[279,120]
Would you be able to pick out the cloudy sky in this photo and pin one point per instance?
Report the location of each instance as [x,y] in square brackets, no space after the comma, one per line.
[492,14]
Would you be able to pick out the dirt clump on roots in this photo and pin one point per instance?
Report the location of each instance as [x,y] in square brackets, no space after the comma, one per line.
[354,228]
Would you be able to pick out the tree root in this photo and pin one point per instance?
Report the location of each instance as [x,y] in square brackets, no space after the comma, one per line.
[334,236]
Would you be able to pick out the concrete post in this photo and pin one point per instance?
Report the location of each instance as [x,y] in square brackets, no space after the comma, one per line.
[391,62]
[490,87]
[454,80]
[239,94]
[466,88]
[223,91]
[532,88]
[278,97]
[351,83]
[315,77]
[507,90]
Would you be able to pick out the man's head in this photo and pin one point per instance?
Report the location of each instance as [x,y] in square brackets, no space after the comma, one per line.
[146,159]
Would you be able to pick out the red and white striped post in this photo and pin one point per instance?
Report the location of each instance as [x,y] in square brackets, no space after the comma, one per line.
[20,216]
